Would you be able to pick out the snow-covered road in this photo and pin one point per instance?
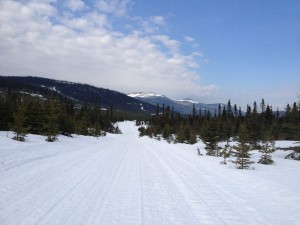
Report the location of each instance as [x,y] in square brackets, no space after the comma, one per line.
[124,179]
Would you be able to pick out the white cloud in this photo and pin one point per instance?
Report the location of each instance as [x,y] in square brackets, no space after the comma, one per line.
[172,45]
[88,49]
[158,20]
[150,25]
[116,7]
[75,5]
[189,39]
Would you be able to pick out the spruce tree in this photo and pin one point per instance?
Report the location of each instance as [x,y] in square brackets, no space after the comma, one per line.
[241,150]
[180,134]
[209,136]
[167,132]
[19,115]
[51,126]
[225,152]
[36,115]
[193,138]
[267,148]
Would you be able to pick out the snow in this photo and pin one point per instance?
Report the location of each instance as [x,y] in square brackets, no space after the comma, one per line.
[33,95]
[127,180]
[54,89]
[183,101]
[144,95]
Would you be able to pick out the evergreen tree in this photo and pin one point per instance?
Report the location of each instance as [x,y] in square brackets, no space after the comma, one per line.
[8,103]
[180,135]
[193,138]
[262,106]
[51,125]
[235,111]
[167,132]
[229,109]
[225,152]
[18,126]
[209,136]
[268,147]
[291,125]
[241,150]
[254,127]
[36,115]
[66,124]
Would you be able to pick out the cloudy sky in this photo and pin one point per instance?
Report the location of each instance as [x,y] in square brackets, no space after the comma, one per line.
[211,51]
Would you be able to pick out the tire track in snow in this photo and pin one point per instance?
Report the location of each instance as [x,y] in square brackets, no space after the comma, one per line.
[107,193]
[233,213]
[77,194]
[180,175]
[93,199]
[169,202]
[36,195]
[25,186]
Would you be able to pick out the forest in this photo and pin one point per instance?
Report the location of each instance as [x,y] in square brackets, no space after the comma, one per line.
[256,129]
[52,115]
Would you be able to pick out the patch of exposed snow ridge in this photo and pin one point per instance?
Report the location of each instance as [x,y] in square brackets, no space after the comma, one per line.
[144,95]
[188,100]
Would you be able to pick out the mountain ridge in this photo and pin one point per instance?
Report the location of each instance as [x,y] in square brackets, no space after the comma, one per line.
[183,106]
[78,92]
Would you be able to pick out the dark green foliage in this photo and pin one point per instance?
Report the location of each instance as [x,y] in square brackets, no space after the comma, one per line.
[291,125]
[18,126]
[193,138]
[241,150]
[210,137]
[267,148]
[51,125]
[225,153]
[51,115]
[8,102]
[36,115]
[225,124]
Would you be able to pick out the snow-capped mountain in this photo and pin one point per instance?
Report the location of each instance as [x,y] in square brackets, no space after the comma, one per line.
[154,99]
[187,101]
[184,106]
[144,95]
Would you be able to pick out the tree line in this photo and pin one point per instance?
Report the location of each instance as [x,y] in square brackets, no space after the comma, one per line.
[257,128]
[25,113]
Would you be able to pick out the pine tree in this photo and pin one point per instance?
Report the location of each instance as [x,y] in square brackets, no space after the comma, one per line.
[18,126]
[180,134]
[241,151]
[51,125]
[209,136]
[254,127]
[167,131]
[193,138]
[268,147]
[36,115]
[225,152]
[7,108]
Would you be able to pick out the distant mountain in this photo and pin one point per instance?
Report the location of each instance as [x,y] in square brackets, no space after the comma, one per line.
[200,106]
[77,92]
[154,99]
[184,106]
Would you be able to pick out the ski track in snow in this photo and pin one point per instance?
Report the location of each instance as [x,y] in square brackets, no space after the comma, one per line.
[124,179]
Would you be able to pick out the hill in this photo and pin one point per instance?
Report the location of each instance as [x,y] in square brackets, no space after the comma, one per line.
[77,92]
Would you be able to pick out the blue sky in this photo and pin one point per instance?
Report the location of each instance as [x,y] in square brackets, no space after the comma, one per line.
[211,51]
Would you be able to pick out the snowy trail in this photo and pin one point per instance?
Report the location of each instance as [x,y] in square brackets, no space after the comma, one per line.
[123,179]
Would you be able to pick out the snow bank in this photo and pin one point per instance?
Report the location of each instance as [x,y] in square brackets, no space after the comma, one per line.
[124,179]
